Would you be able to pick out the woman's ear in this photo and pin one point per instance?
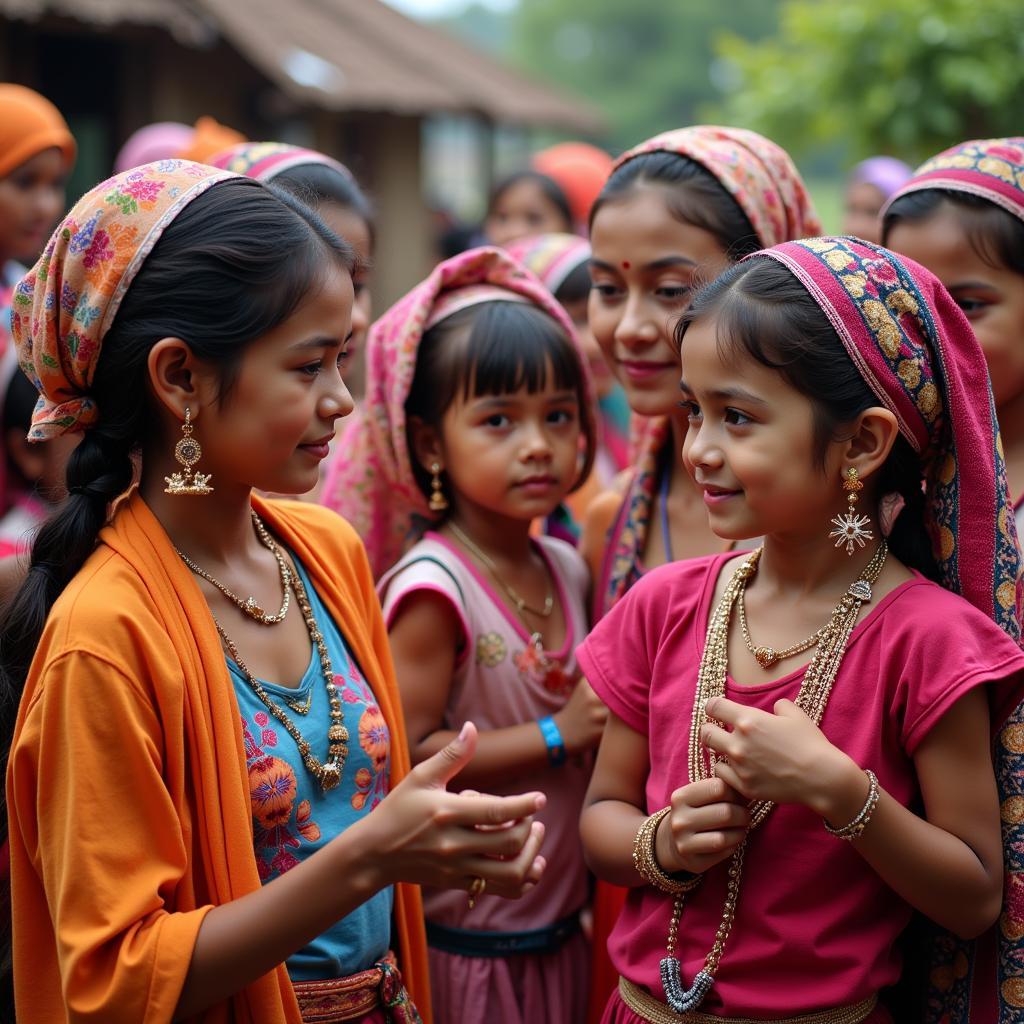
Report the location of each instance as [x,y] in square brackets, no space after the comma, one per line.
[179,379]
[874,434]
[426,444]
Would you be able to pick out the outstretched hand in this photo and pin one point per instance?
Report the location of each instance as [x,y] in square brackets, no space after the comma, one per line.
[446,840]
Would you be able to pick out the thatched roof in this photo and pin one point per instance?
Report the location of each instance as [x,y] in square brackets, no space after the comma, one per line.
[341,55]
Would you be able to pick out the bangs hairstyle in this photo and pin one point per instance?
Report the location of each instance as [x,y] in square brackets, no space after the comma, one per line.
[693,195]
[762,312]
[995,234]
[494,348]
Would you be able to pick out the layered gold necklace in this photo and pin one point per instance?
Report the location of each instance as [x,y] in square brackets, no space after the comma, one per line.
[815,689]
[328,772]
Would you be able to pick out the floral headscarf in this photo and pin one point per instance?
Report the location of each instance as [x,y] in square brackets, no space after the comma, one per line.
[371,481]
[756,172]
[552,257]
[990,168]
[64,306]
[918,354]
[264,161]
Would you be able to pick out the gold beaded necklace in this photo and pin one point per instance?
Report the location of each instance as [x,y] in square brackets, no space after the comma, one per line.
[815,689]
[250,606]
[327,773]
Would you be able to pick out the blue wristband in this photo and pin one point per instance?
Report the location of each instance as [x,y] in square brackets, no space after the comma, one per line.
[553,739]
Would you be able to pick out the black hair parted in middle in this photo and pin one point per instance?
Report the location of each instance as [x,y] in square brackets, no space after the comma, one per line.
[494,348]
[763,312]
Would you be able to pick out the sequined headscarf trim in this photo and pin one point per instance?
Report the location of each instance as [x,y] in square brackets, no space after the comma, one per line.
[992,169]
[756,172]
[371,480]
[64,306]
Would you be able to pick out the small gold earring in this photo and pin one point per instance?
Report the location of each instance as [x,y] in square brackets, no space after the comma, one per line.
[851,529]
[188,452]
[438,502]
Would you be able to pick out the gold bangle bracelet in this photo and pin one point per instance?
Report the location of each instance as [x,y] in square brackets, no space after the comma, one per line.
[854,829]
[645,859]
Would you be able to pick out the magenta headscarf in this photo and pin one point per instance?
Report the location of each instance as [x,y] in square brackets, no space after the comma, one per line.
[992,169]
[918,354]
[370,481]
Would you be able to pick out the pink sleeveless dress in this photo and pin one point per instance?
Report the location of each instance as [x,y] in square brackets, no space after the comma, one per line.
[502,680]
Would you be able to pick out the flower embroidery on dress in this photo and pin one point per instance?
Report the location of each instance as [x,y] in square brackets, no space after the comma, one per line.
[490,649]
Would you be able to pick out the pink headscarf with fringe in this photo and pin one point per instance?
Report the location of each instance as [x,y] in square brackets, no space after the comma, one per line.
[371,481]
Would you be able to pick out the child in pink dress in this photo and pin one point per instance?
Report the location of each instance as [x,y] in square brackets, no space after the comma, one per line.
[478,421]
[799,753]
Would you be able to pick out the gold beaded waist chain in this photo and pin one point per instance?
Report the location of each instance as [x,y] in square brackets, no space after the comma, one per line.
[642,1003]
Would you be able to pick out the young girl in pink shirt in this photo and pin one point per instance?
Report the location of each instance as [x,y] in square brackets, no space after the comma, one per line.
[800,748]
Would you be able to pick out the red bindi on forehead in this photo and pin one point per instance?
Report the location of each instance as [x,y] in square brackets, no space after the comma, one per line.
[626,264]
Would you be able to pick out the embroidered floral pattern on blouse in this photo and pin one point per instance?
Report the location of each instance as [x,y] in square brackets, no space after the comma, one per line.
[272,792]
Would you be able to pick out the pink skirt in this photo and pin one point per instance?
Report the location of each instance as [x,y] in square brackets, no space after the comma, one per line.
[526,988]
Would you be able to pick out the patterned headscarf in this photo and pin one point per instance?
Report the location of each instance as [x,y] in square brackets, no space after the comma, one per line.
[918,354]
[264,161]
[916,351]
[990,168]
[371,481]
[552,257]
[66,303]
[758,174]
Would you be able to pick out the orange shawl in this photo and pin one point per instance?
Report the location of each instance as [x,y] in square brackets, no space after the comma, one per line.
[129,802]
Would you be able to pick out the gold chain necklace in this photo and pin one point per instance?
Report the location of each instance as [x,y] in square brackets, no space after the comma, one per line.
[549,601]
[250,606]
[327,773]
[767,656]
[815,689]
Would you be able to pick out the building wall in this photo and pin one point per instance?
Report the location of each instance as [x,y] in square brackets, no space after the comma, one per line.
[108,83]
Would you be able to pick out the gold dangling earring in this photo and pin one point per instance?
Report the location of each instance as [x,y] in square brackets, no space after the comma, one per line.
[438,502]
[850,529]
[188,452]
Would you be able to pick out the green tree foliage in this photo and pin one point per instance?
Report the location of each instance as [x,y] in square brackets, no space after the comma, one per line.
[908,77]
[649,64]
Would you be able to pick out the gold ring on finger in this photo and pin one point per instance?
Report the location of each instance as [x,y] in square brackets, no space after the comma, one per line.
[476,889]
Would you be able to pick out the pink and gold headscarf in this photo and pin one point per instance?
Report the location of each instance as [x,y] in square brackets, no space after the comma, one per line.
[917,352]
[264,161]
[371,481]
[66,303]
[552,257]
[756,172]
[991,169]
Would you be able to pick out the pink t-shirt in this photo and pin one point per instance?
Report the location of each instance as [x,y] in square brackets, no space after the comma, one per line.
[497,683]
[815,926]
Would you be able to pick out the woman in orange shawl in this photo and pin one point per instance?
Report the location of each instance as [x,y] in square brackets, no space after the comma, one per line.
[189,840]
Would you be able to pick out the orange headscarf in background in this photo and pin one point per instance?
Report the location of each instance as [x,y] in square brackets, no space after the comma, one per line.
[30,123]
[210,137]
